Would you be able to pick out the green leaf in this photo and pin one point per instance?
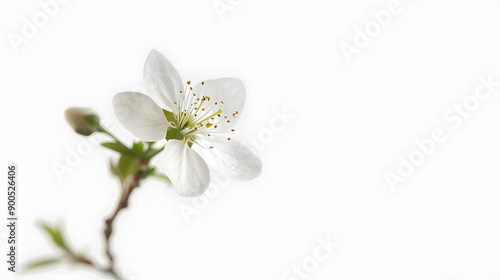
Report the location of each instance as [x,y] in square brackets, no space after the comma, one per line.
[118,147]
[138,148]
[126,167]
[169,115]
[43,262]
[162,177]
[148,172]
[56,236]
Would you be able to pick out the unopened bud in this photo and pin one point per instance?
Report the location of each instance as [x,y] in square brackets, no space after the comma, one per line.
[84,121]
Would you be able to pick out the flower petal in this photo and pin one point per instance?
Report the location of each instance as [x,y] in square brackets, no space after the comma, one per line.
[186,169]
[236,158]
[162,80]
[231,92]
[139,114]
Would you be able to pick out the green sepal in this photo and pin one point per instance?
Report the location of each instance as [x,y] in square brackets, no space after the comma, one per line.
[93,120]
[174,133]
[84,132]
[169,115]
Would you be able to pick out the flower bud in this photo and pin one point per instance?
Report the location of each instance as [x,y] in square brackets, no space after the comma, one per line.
[83,120]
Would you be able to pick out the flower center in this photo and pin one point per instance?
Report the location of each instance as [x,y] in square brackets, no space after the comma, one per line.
[195,117]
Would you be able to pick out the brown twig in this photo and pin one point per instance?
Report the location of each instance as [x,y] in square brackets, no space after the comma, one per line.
[129,185]
[84,260]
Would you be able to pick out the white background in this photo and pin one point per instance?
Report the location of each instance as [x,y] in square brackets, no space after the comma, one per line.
[323,172]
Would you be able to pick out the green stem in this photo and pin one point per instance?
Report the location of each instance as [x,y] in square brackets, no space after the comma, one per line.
[103,130]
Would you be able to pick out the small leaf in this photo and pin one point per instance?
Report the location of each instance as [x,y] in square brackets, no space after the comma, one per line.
[148,172]
[43,262]
[117,147]
[137,149]
[56,236]
[126,167]
[162,177]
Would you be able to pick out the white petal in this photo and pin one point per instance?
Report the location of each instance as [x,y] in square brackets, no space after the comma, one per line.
[231,92]
[186,169]
[240,163]
[162,80]
[139,114]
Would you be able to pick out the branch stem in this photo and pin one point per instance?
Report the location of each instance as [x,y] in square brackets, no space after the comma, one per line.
[128,187]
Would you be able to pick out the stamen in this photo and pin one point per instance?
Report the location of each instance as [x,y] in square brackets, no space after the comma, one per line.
[195,116]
